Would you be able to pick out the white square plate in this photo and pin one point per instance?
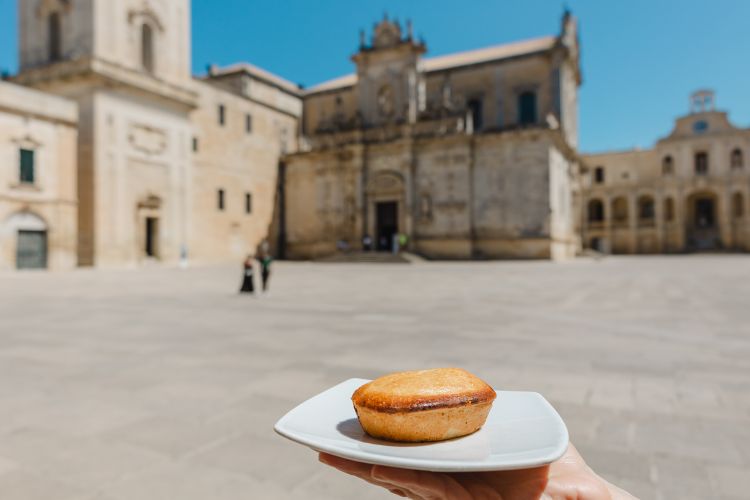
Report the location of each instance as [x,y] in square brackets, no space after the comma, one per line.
[522,430]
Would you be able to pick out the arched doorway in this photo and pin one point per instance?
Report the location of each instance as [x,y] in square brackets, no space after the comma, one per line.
[702,222]
[30,232]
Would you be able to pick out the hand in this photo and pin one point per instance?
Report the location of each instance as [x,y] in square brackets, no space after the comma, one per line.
[569,478]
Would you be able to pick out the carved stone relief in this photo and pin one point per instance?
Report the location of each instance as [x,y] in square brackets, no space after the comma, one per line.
[147,139]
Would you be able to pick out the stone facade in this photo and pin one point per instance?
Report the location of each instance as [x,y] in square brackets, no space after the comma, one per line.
[689,192]
[153,156]
[238,159]
[471,155]
[38,206]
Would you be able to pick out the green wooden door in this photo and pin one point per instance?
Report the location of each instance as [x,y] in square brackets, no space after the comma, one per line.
[31,250]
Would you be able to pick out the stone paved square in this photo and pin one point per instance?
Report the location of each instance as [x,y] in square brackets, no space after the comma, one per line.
[162,383]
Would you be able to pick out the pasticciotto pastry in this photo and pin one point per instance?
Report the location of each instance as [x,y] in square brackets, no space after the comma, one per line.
[424,405]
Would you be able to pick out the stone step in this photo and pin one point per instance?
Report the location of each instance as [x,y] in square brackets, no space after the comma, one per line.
[368,257]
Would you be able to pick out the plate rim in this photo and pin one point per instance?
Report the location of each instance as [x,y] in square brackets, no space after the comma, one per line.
[423,464]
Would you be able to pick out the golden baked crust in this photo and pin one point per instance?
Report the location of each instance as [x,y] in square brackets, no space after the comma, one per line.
[423,390]
[426,405]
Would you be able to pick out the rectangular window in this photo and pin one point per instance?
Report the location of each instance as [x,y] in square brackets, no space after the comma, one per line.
[248,123]
[475,109]
[220,199]
[599,175]
[26,170]
[701,163]
[195,144]
[54,31]
[222,115]
[248,203]
[527,108]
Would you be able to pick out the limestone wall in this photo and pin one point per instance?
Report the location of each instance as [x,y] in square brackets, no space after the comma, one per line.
[45,125]
[630,177]
[503,195]
[141,166]
[239,162]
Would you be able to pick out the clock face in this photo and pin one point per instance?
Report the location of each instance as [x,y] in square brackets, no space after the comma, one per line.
[700,126]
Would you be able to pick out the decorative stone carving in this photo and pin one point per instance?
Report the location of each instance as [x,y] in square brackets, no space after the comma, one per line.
[150,202]
[147,140]
[46,7]
[386,182]
[385,101]
[145,14]
[387,34]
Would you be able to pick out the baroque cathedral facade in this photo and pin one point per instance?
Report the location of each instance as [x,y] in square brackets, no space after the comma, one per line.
[469,155]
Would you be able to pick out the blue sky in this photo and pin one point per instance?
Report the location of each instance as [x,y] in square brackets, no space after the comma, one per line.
[641,58]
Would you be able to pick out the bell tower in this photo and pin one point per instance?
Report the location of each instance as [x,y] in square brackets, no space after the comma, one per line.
[52,31]
[389,80]
[149,36]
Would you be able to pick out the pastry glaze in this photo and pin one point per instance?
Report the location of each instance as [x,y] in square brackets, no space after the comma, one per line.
[425,405]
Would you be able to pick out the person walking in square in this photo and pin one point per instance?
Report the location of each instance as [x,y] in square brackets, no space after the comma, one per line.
[265,260]
[247,276]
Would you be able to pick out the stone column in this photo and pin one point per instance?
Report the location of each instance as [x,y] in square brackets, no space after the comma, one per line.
[633,222]
[724,217]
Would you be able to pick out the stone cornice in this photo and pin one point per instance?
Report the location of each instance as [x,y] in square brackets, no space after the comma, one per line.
[109,74]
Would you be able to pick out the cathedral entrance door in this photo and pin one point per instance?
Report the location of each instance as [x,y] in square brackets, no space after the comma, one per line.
[152,232]
[148,220]
[386,223]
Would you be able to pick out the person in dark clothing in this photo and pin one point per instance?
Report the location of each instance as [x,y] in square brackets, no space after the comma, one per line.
[265,269]
[247,279]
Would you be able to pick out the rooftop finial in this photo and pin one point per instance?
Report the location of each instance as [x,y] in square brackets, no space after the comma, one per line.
[409,29]
[566,11]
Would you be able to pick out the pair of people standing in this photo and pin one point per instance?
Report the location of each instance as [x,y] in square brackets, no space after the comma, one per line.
[264,260]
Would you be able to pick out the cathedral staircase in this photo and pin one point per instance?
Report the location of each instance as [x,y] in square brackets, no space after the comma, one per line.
[372,257]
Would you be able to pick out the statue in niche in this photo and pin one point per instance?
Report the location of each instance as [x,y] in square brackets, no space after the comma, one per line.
[385,101]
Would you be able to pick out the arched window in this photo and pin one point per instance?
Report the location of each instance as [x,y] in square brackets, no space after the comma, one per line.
[736,158]
[620,210]
[596,211]
[599,175]
[53,34]
[645,210]
[527,108]
[738,205]
[668,209]
[147,48]
[667,165]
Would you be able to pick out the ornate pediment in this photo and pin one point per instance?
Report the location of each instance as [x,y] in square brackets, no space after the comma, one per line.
[151,201]
[387,34]
[46,7]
